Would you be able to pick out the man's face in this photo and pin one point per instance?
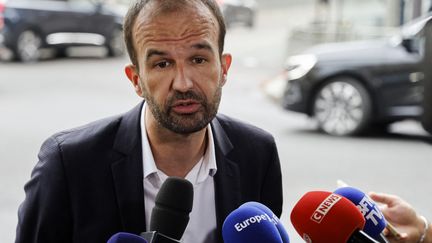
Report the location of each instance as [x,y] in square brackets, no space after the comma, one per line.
[181,73]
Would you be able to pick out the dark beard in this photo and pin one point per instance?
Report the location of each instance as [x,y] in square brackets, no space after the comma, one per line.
[185,123]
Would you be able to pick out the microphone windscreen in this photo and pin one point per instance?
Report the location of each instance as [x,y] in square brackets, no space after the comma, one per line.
[249,224]
[123,237]
[375,221]
[322,217]
[282,231]
[173,204]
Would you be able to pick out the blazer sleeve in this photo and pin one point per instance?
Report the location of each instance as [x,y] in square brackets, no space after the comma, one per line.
[45,214]
[272,194]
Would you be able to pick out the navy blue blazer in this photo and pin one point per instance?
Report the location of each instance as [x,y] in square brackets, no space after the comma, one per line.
[88,183]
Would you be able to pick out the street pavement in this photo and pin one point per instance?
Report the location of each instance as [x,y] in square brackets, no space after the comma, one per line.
[37,100]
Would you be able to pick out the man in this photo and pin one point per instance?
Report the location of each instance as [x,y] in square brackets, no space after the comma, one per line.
[102,178]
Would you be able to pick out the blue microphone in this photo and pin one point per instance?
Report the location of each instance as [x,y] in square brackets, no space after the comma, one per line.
[375,221]
[282,232]
[123,237]
[249,224]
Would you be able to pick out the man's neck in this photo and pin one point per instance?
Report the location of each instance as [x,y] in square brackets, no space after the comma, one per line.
[175,154]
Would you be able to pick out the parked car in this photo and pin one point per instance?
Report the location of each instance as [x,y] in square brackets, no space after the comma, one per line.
[26,26]
[238,12]
[353,86]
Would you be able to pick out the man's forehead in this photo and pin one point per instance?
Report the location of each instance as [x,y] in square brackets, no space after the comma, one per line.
[184,13]
[186,24]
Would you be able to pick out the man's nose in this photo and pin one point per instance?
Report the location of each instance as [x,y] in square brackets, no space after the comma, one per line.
[182,81]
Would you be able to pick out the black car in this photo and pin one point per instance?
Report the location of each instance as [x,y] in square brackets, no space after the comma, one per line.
[27,26]
[353,86]
[238,12]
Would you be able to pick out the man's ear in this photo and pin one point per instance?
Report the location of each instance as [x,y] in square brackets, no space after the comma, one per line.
[226,64]
[132,74]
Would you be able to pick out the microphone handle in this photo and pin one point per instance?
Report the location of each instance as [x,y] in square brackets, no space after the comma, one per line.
[382,239]
[155,237]
[360,236]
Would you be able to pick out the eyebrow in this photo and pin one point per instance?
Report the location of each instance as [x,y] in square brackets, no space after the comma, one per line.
[198,46]
[202,46]
[154,52]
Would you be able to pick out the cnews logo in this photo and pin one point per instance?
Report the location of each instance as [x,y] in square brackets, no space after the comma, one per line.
[325,207]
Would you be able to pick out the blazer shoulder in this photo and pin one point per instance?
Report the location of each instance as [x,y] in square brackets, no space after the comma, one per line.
[87,134]
[237,128]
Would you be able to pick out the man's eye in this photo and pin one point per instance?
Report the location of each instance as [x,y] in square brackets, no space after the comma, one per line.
[163,64]
[198,60]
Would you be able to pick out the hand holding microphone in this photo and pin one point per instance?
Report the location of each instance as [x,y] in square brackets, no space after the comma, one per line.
[416,228]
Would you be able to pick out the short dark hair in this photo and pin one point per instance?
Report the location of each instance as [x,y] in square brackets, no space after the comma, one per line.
[136,8]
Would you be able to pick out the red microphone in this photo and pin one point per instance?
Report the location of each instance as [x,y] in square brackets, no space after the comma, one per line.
[326,217]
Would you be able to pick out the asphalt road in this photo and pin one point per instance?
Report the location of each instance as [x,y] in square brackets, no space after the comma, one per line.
[37,100]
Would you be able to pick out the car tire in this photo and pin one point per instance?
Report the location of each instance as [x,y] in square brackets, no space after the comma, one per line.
[115,44]
[379,128]
[28,46]
[342,107]
[61,52]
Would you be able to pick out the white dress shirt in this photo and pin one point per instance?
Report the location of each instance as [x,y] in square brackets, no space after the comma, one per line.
[202,224]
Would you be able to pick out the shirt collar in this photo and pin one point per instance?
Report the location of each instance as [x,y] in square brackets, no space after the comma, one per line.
[206,166]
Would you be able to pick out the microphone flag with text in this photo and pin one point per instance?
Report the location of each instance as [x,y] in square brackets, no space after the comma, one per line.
[170,215]
[250,224]
[375,221]
[322,217]
[276,221]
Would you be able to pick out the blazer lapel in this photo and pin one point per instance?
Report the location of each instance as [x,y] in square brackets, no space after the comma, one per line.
[227,178]
[128,172]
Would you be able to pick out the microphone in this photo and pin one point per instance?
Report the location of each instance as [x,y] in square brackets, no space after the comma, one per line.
[375,221]
[249,224]
[123,237]
[322,217]
[279,226]
[170,215]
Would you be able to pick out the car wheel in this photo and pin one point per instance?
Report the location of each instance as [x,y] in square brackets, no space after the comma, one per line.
[116,45]
[342,107]
[28,46]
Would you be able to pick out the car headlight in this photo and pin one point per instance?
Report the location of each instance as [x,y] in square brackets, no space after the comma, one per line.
[298,66]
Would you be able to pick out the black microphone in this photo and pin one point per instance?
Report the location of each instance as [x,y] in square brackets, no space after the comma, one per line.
[170,215]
